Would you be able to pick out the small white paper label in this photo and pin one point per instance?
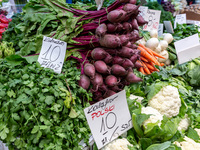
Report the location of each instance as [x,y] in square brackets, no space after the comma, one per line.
[143,12]
[180,19]
[160,29]
[99,4]
[109,118]
[52,54]
[197,23]
[153,20]
[168,26]
[188,48]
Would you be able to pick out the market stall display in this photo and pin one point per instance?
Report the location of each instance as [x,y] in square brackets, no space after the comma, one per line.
[107,53]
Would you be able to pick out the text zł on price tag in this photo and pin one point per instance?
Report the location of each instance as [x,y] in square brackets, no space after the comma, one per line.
[109,118]
[52,54]
[153,20]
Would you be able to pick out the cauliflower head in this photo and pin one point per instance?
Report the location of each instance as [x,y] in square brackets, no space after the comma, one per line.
[198,131]
[188,144]
[167,101]
[139,98]
[118,144]
[184,123]
[155,115]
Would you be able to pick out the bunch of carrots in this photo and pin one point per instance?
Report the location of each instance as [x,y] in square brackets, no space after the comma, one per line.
[148,60]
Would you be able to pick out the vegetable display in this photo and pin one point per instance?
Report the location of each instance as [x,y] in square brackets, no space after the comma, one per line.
[107,52]
[40,109]
[113,61]
[154,124]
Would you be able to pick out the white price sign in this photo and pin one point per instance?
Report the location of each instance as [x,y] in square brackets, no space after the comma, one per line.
[52,54]
[180,19]
[109,118]
[153,18]
[187,48]
[143,12]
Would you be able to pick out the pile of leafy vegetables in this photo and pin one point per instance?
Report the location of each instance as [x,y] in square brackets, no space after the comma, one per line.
[40,109]
[184,30]
[13,35]
[155,137]
[44,18]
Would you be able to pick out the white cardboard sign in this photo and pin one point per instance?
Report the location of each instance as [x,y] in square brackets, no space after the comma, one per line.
[188,48]
[52,54]
[153,18]
[180,19]
[143,12]
[109,118]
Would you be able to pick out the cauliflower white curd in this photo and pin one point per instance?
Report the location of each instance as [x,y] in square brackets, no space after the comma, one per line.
[188,144]
[155,115]
[138,98]
[167,101]
[184,123]
[118,144]
[198,131]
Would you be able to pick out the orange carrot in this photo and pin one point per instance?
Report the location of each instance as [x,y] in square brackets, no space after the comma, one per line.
[141,45]
[155,54]
[145,54]
[151,70]
[149,66]
[155,69]
[142,70]
[162,64]
[146,68]
[143,59]
[151,51]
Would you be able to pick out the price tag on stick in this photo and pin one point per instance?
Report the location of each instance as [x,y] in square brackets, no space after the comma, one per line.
[160,29]
[52,54]
[180,19]
[109,118]
[168,26]
[153,20]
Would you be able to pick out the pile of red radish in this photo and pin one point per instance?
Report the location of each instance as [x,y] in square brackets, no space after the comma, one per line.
[3,24]
[112,64]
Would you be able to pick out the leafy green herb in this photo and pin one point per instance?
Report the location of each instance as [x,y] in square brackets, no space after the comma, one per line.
[33,114]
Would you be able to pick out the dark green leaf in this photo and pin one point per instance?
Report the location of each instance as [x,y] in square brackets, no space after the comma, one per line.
[162,146]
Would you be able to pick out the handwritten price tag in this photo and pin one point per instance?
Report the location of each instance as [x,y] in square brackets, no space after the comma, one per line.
[109,118]
[52,54]
[143,12]
[153,20]
[180,19]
